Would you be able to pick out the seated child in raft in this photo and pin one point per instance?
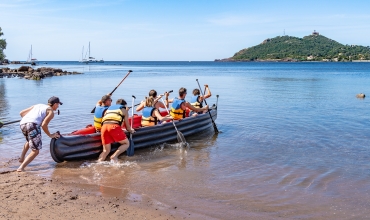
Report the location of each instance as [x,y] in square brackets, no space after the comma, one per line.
[157,104]
[151,115]
[197,100]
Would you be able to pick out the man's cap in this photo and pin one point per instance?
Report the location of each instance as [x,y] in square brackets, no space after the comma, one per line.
[54,100]
[105,98]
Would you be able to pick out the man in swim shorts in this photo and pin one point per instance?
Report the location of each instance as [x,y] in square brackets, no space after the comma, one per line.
[33,119]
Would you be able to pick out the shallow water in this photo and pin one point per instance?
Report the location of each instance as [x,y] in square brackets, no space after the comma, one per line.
[293,142]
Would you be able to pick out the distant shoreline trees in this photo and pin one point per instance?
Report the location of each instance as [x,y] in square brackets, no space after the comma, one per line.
[314,47]
[2,47]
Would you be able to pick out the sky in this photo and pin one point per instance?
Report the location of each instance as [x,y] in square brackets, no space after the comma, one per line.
[164,30]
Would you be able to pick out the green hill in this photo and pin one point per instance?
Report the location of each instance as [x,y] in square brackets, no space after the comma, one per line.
[314,47]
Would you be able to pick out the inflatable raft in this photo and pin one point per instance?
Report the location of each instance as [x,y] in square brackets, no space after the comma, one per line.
[86,143]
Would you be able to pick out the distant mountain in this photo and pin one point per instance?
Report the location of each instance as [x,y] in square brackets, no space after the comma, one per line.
[314,47]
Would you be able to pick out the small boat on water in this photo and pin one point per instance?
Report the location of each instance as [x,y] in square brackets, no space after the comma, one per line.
[30,59]
[90,59]
[86,143]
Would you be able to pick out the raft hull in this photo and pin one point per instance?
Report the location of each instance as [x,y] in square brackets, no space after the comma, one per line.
[76,147]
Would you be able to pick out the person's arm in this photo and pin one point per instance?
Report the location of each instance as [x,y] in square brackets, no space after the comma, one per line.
[188,105]
[166,94]
[209,94]
[127,124]
[160,117]
[25,111]
[140,107]
[45,123]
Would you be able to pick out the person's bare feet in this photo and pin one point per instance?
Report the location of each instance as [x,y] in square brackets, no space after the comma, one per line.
[20,169]
[114,160]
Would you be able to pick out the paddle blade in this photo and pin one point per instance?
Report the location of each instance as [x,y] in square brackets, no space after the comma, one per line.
[180,137]
[1,124]
[131,150]
[215,127]
[93,111]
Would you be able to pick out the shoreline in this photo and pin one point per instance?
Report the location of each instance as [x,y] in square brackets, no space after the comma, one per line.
[33,197]
[28,72]
[287,61]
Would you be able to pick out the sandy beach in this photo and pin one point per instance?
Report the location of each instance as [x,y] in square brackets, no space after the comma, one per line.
[28,196]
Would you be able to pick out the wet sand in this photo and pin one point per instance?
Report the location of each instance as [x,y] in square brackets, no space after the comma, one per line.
[28,196]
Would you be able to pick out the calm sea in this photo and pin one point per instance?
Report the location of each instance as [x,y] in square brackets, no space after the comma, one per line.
[294,139]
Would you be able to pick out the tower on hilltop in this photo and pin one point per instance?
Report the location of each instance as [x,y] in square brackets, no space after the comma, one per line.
[315,33]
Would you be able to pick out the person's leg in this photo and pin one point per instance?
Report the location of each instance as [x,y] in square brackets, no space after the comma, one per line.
[106,141]
[26,146]
[119,136]
[33,136]
[104,154]
[24,151]
[28,160]
[122,148]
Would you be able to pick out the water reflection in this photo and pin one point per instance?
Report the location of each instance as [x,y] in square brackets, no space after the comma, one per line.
[38,83]
[4,105]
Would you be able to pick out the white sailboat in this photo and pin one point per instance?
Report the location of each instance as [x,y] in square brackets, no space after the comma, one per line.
[90,59]
[30,59]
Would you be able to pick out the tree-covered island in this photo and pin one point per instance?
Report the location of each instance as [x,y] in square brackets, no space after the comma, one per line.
[314,47]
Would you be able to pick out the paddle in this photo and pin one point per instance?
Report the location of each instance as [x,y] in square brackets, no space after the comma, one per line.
[8,123]
[134,105]
[131,150]
[213,122]
[93,111]
[159,97]
[180,136]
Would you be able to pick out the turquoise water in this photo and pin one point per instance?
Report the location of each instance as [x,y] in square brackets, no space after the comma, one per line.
[294,139]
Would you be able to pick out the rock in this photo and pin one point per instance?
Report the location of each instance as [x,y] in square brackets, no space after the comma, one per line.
[21,74]
[27,72]
[360,95]
[50,73]
[23,68]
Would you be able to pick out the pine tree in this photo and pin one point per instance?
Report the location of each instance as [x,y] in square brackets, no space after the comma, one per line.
[2,47]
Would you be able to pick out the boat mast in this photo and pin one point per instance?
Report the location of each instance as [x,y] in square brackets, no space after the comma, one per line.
[82,55]
[30,55]
[89,49]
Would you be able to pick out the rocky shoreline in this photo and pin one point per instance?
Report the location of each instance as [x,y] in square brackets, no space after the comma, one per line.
[28,72]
